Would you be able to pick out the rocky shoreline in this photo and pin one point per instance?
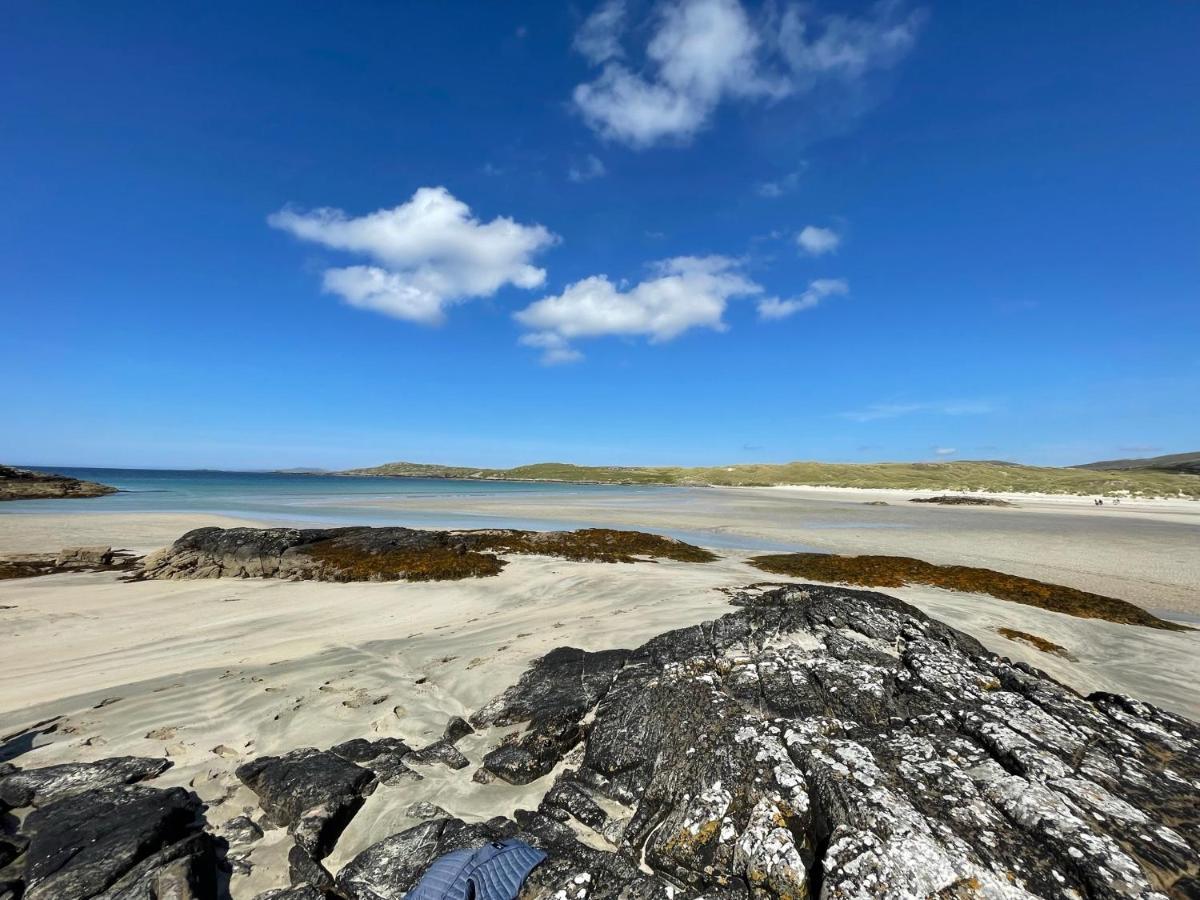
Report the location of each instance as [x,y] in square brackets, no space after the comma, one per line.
[389,554]
[25,484]
[815,741]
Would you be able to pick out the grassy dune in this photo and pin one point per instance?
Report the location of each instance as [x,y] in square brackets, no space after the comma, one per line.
[950,476]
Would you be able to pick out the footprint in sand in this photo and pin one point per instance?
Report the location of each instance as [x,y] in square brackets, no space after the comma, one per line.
[107,701]
[477,661]
[165,733]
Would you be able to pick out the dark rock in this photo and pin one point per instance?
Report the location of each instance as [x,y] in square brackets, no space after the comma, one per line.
[303,869]
[118,838]
[457,728]
[837,742]
[385,554]
[525,758]
[438,752]
[187,870]
[570,798]
[958,500]
[295,892]
[313,793]
[423,809]
[240,831]
[11,847]
[38,787]
[384,757]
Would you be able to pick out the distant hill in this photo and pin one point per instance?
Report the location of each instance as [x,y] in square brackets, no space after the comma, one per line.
[1180,463]
[996,477]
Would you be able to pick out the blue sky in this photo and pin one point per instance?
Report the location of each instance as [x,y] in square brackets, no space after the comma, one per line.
[689,231]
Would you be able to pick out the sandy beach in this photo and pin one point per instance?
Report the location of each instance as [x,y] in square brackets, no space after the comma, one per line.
[214,672]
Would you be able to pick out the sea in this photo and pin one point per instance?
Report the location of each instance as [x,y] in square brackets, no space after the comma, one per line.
[303,500]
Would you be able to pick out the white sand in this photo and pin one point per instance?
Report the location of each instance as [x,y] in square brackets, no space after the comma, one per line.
[260,666]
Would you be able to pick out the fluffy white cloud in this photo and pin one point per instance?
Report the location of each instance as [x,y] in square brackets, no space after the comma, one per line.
[685,292]
[818,290]
[816,241]
[431,252]
[591,167]
[703,52]
[945,451]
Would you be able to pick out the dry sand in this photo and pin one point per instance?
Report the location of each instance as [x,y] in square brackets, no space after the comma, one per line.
[213,673]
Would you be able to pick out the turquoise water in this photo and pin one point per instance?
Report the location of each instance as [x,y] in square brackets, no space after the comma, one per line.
[313,500]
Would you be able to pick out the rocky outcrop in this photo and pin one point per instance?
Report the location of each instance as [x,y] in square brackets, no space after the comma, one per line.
[119,842]
[388,554]
[40,787]
[815,742]
[836,742]
[24,484]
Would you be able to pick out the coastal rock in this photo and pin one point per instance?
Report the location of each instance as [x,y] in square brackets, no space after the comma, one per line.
[312,793]
[388,554]
[960,500]
[119,840]
[385,757]
[39,787]
[24,484]
[295,892]
[457,728]
[838,742]
[442,752]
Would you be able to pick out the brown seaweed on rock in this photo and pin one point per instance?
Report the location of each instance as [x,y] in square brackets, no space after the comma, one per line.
[391,554]
[898,571]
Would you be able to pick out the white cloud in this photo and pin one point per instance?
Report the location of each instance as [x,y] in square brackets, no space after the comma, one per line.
[704,52]
[686,292]
[945,451]
[431,252]
[818,290]
[817,241]
[878,411]
[599,37]
[591,167]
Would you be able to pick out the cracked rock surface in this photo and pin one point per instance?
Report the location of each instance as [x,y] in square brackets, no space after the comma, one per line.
[822,741]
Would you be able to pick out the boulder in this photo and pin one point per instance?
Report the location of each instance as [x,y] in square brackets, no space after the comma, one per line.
[116,839]
[313,793]
[442,752]
[385,757]
[38,787]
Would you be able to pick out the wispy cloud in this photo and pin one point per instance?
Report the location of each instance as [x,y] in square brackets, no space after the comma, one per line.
[785,184]
[945,451]
[702,53]
[877,411]
[818,290]
[591,167]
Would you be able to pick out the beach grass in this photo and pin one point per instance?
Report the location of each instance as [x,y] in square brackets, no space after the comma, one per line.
[985,477]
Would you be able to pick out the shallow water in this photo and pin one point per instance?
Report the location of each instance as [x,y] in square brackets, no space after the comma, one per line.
[316,500]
